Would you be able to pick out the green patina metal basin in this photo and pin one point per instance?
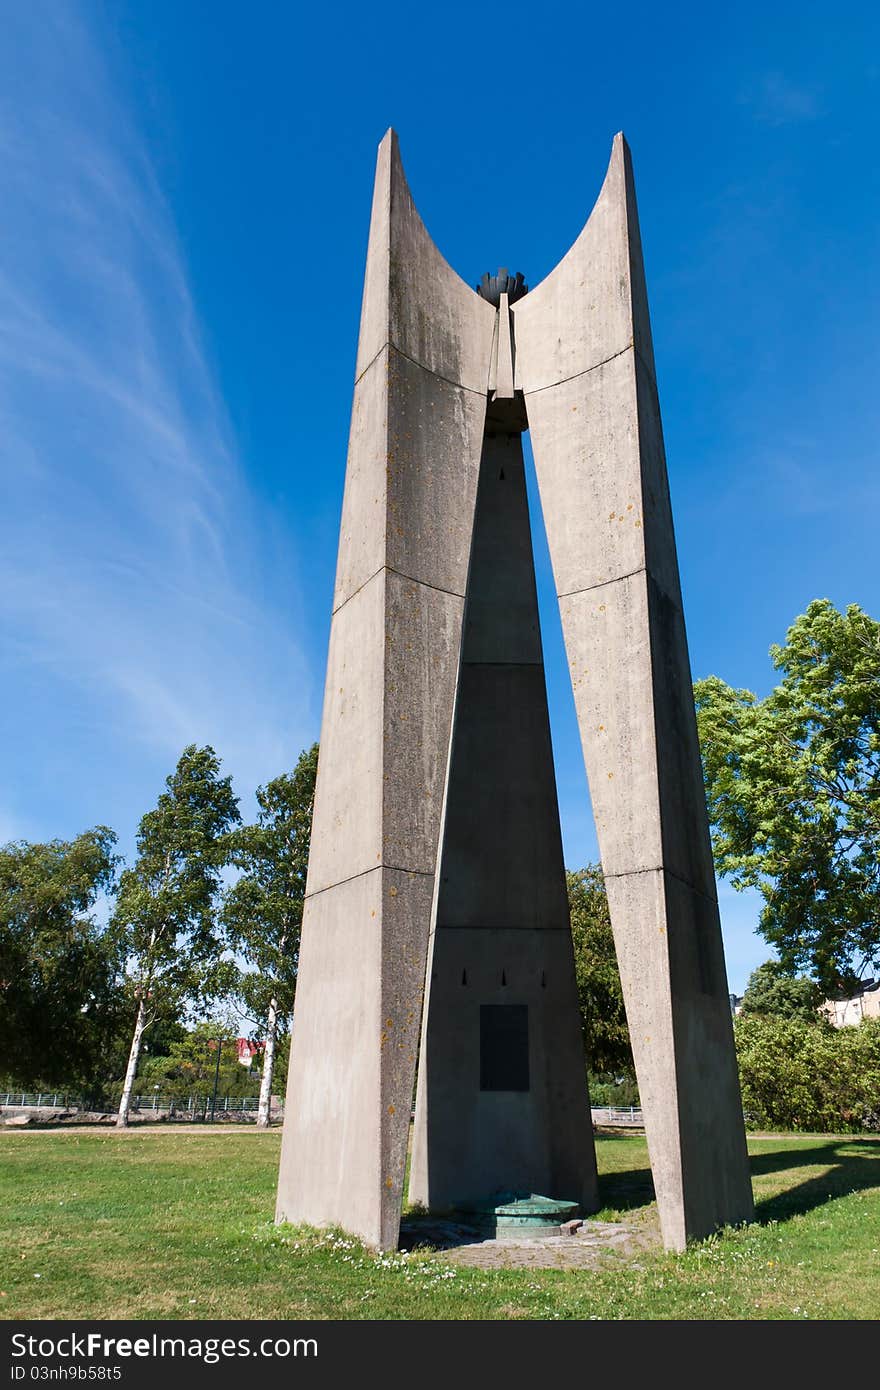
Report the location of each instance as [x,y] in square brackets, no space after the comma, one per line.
[517,1213]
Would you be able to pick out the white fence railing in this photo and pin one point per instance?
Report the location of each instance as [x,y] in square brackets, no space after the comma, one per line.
[199,1106]
[618,1115]
[194,1104]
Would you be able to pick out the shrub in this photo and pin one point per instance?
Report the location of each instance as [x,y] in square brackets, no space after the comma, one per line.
[801,1074]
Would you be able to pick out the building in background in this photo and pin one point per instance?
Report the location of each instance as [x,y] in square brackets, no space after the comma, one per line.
[849,1012]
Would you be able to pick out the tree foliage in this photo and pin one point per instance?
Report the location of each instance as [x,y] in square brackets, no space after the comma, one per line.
[262,911]
[806,1075]
[606,1036]
[771,990]
[793,788]
[59,1001]
[190,1066]
[164,921]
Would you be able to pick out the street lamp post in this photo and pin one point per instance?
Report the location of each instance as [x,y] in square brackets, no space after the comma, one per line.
[218,1044]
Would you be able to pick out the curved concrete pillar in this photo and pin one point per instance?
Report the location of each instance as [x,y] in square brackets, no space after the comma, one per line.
[585,363]
[502,1094]
[415,443]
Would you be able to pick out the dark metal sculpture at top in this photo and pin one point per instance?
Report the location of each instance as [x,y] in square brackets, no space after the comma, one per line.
[491,287]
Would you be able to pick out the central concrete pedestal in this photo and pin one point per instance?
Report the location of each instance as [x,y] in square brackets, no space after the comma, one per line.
[502,1097]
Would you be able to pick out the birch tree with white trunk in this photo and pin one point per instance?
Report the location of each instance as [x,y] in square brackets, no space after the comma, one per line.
[262,911]
[165,922]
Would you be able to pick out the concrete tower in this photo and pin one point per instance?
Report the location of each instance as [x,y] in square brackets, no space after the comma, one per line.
[436,905]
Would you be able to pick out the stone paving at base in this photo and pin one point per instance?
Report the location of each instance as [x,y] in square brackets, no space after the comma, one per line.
[592,1244]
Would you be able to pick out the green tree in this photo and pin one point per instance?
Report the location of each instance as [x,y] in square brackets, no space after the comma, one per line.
[606,1036]
[772,990]
[196,1059]
[793,788]
[803,1074]
[59,1000]
[164,919]
[262,911]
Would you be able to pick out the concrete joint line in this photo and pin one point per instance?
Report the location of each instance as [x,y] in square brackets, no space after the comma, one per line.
[354,593]
[663,869]
[452,926]
[392,347]
[604,584]
[439,377]
[563,381]
[372,362]
[389,569]
[374,869]
[410,579]
[630,347]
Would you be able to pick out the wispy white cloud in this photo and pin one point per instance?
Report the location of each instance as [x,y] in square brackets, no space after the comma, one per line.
[135,565]
[793,478]
[776,99]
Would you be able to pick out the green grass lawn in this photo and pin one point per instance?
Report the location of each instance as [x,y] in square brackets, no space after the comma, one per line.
[177,1223]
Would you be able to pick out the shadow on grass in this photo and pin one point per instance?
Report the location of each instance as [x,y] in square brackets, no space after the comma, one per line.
[622,1189]
[854,1165]
[421,1231]
[626,1190]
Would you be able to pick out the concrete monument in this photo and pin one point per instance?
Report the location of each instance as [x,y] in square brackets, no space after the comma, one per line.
[436,921]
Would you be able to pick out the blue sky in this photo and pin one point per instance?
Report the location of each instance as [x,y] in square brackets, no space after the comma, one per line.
[186,193]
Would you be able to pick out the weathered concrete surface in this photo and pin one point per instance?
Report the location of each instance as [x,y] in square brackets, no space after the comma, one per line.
[593,305]
[585,363]
[502,934]
[416,435]
[430,351]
